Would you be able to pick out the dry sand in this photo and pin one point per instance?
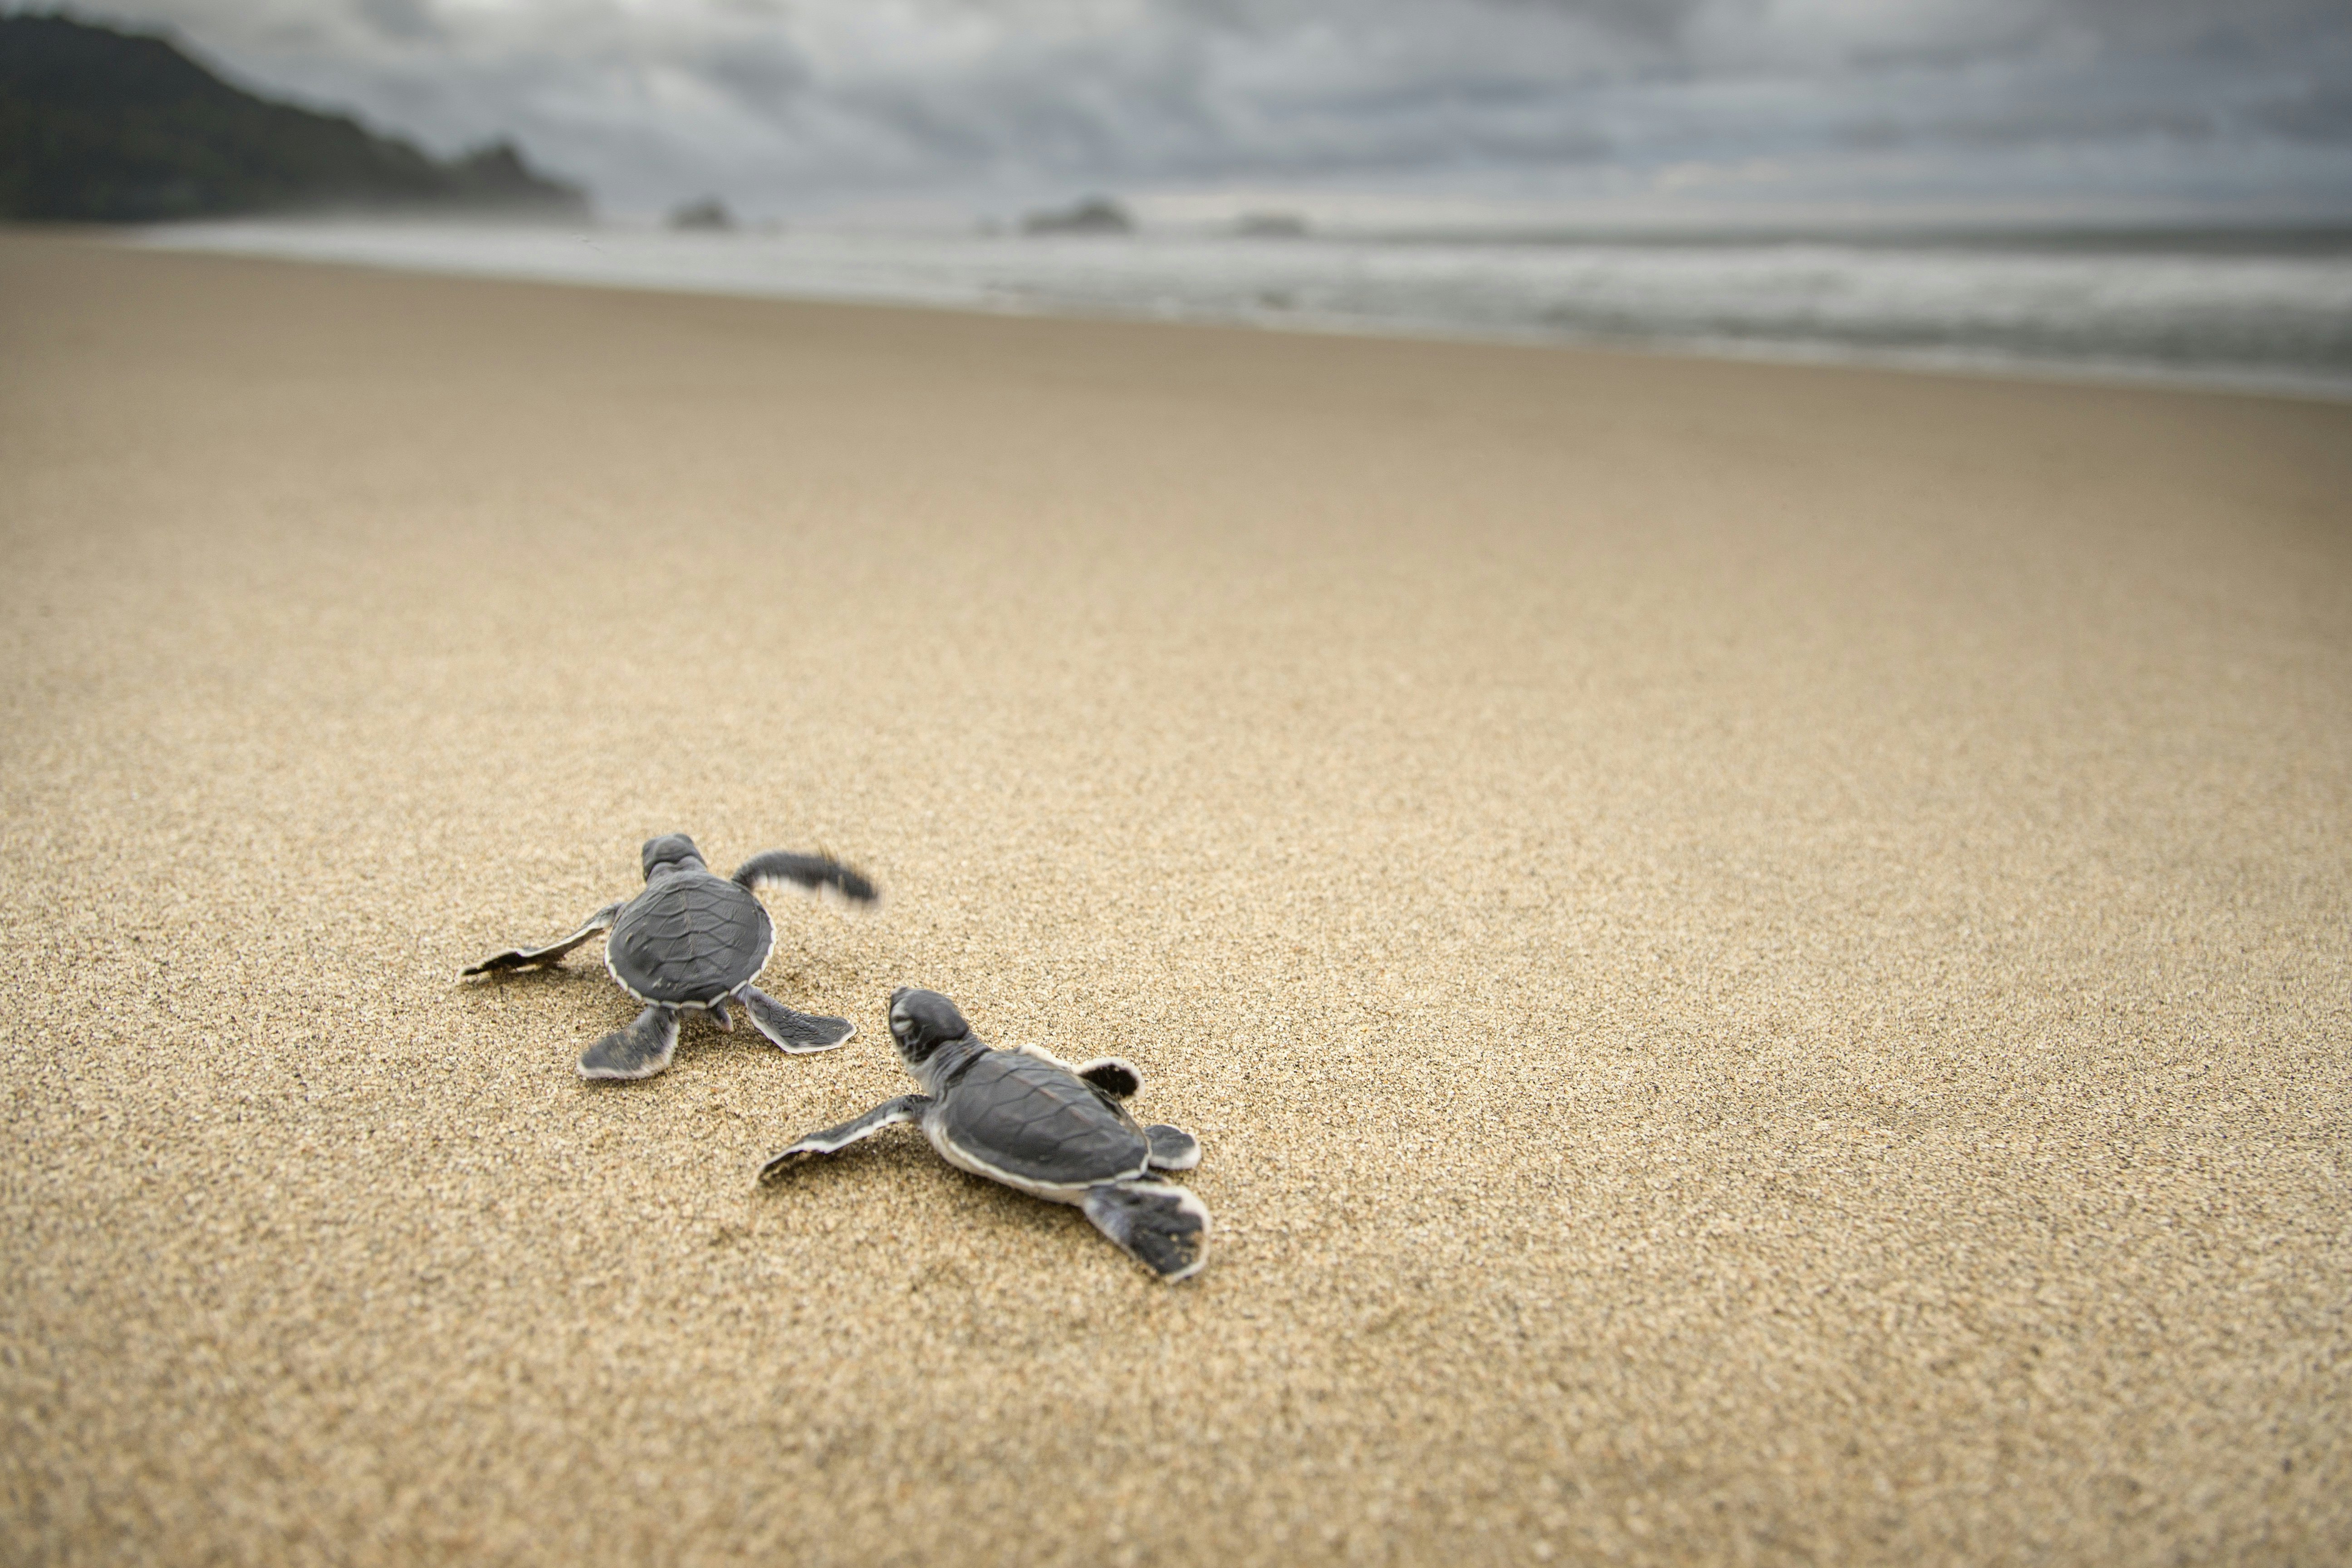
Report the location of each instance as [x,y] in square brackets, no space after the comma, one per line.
[1760,954]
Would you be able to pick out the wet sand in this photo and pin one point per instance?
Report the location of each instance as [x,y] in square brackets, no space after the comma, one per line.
[1762,955]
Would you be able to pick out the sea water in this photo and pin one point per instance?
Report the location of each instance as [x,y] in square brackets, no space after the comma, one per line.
[2265,310]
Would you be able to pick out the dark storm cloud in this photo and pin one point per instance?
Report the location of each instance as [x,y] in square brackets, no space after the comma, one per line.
[802,102]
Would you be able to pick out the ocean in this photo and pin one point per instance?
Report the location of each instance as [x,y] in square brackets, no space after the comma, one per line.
[2261,311]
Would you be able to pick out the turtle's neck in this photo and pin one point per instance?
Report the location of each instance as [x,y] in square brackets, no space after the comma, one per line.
[948,1063]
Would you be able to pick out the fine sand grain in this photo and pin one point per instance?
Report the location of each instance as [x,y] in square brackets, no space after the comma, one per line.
[1760,954]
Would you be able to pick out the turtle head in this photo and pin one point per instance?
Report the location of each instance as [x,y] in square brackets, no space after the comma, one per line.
[671,852]
[923,1021]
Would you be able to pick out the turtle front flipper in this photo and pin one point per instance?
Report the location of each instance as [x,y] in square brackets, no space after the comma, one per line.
[790,1031]
[1173,1148]
[816,874]
[640,1050]
[1165,1228]
[832,1140]
[523,958]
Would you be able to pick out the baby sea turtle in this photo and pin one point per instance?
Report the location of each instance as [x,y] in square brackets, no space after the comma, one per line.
[696,939]
[1029,1121]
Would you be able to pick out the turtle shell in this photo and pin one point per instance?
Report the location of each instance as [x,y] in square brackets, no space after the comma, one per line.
[689,939]
[1037,1121]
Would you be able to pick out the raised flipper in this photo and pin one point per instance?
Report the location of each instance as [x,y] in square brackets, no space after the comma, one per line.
[1115,1075]
[790,1031]
[1173,1148]
[1164,1228]
[523,958]
[816,874]
[640,1050]
[832,1140]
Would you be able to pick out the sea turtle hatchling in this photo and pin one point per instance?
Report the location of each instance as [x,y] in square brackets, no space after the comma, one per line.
[694,939]
[1024,1118]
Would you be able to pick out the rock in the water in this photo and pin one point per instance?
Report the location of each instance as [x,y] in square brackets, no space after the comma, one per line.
[709,214]
[1096,214]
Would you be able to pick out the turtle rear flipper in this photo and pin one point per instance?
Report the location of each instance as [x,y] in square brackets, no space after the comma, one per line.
[640,1050]
[816,874]
[1173,1148]
[1164,1228]
[524,957]
[790,1031]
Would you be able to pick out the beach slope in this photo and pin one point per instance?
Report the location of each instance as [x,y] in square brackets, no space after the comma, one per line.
[1760,955]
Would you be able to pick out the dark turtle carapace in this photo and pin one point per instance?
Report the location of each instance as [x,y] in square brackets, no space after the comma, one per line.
[1030,1121]
[694,939]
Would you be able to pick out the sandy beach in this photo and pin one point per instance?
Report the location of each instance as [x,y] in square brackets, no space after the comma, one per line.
[1762,955]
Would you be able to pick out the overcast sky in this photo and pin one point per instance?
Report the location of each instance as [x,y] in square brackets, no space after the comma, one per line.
[1608,110]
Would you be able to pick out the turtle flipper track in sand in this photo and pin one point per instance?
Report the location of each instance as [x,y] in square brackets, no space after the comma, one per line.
[640,1050]
[1164,1228]
[790,1031]
[834,1140]
[530,957]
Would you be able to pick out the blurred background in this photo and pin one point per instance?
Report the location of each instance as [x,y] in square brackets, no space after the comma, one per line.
[2137,188]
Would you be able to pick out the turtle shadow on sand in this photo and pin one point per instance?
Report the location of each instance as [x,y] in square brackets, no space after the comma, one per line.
[693,941]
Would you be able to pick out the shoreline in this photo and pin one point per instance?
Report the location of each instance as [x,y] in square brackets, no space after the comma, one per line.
[373,247]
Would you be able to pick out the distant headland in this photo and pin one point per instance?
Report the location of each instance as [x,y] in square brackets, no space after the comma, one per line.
[101,126]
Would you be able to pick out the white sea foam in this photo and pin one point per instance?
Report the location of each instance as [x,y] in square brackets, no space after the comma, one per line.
[2265,314]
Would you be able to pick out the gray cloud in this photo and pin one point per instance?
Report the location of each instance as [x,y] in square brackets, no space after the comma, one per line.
[2322,114]
[995,103]
[403,19]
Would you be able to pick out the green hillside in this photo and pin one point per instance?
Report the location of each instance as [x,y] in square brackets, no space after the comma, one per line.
[100,126]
